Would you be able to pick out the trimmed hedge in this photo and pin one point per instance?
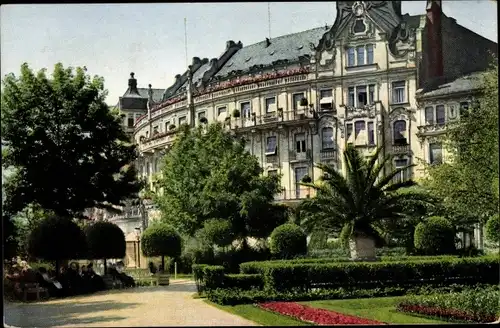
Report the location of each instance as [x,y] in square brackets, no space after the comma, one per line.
[302,277]
[238,296]
[210,277]
[473,305]
[253,267]
[244,281]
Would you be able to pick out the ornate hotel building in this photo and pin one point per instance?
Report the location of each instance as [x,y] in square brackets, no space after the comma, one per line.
[375,77]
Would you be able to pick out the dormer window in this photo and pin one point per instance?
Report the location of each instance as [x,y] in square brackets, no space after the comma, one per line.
[359,26]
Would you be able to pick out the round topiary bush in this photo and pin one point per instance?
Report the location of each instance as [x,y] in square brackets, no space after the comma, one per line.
[288,241]
[57,239]
[218,232]
[435,236]
[493,229]
[161,240]
[105,240]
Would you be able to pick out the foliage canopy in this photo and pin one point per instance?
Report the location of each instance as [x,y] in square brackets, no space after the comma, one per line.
[68,150]
[105,240]
[209,174]
[56,239]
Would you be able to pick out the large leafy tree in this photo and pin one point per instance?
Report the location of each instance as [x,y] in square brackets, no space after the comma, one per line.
[68,150]
[363,202]
[468,182]
[208,174]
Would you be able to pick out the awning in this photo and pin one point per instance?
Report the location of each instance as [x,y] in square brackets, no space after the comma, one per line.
[326,100]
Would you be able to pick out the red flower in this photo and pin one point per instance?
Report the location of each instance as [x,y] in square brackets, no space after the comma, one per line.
[446,313]
[317,316]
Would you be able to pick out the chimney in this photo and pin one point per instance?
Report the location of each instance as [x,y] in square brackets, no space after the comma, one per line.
[132,84]
[268,42]
[434,40]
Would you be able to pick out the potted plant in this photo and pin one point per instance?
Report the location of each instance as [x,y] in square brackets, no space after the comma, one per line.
[303,102]
[171,127]
[203,120]
[236,113]
[280,112]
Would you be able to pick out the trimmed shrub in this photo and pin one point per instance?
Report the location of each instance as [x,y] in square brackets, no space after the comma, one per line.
[435,236]
[218,232]
[254,267]
[288,241]
[493,229]
[473,305]
[302,277]
[161,240]
[244,281]
[234,296]
[213,276]
[105,240]
[56,239]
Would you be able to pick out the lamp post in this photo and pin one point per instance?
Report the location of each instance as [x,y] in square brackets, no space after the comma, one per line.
[138,237]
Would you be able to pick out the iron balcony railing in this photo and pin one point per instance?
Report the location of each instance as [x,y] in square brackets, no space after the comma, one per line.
[295,194]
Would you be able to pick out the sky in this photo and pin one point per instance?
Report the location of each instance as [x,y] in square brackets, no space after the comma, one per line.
[112,40]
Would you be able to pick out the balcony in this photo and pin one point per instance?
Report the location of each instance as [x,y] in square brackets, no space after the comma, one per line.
[431,129]
[132,212]
[327,155]
[401,149]
[270,118]
[156,142]
[294,156]
[295,194]
[272,159]
[229,91]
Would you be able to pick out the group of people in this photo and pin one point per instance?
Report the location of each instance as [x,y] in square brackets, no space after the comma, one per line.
[71,280]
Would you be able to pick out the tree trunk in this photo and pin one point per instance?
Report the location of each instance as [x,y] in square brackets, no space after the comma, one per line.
[57,268]
[362,247]
[105,267]
[163,263]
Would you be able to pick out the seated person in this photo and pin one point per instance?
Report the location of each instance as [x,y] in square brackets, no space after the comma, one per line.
[126,280]
[96,282]
[54,287]
[152,268]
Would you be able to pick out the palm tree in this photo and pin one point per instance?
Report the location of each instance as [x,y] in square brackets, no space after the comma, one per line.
[363,203]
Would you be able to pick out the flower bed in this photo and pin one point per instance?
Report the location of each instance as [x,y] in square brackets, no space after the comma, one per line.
[316,316]
[472,305]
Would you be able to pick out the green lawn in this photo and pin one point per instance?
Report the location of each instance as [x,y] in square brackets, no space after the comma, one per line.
[259,316]
[380,309]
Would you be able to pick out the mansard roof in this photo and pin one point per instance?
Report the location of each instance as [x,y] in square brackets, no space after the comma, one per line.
[467,83]
[287,48]
[143,93]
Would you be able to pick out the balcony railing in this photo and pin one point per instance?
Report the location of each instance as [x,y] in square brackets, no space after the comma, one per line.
[293,155]
[295,194]
[327,155]
[400,149]
[223,93]
[272,159]
[274,117]
[156,141]
[128,213]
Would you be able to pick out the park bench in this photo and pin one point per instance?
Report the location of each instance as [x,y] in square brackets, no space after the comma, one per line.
[163,279]
[32,288]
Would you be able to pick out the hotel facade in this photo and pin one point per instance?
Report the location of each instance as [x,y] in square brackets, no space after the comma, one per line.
[374,77]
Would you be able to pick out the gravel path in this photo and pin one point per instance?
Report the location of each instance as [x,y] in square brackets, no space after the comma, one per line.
[146,306]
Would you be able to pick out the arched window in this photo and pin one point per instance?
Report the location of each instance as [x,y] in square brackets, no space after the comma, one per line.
[327,138]
[399,132]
